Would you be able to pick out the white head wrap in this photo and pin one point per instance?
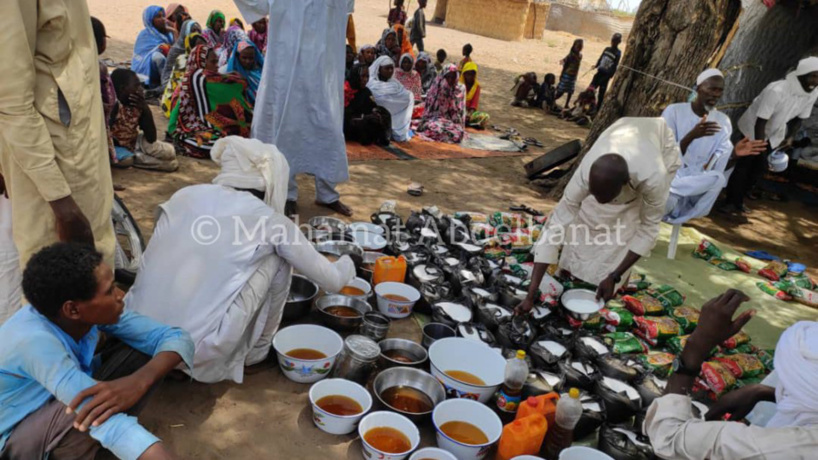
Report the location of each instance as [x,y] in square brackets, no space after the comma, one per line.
[709,73]
[796,364]
[806,66]
[367,47]
[251,164]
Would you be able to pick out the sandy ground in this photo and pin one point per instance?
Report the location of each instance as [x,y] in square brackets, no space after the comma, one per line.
[268,416]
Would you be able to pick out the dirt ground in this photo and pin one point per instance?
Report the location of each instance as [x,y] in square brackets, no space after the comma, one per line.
[268,416]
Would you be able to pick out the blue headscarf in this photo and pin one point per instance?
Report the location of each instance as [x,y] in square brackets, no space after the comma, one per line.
[147,42]
[253,77]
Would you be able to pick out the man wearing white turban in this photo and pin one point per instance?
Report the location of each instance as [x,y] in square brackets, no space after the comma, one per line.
[221,258]
[704,136]
[775,116]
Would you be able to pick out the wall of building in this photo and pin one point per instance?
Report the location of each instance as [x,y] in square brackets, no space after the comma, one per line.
[537,17]
[501,19]
[587,23]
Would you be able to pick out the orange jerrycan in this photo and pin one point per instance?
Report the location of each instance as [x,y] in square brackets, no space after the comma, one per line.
[389,268]
[523,436]
[544,404]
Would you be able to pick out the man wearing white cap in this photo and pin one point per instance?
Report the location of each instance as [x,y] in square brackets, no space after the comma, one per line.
[704,136]
[775,116]
[221,258]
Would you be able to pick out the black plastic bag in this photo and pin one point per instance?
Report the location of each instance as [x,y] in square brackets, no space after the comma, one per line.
[542,382]
[546,353]
[622,401]
[516,332]
[491,315]
[579,373]
[624,368]
[593,415]
[624,444]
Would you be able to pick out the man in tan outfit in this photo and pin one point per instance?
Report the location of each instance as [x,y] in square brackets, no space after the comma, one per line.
[53,146]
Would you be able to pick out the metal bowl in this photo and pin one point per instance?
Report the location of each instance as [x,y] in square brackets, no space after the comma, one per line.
[414,351]
[300,299]
[576,300]
[326,223]
[321,236]
[341,323]
[413,378]
[367,269]
[436,331]
[342,248]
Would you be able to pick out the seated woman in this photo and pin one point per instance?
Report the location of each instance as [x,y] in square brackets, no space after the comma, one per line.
[366,56]
[392,96]
[214,30]
[364,121]
[445,117]
[402,38]
[177,16]
[247,61]
[258,34]
[208,105]
[236,22]
[188,27]
[388,44]
[193,40]
[231,38]
[427,71]
[410,79]
[151,47]
[474,118]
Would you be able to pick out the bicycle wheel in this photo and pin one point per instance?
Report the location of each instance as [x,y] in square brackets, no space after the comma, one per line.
[129,243]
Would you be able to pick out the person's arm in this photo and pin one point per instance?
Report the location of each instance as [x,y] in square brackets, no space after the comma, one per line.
[25,133]
[607,288]
[702,129]
[793,126]
[146,123]
[157,452]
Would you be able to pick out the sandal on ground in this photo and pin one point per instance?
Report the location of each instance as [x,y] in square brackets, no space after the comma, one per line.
[338,207]
[415,189]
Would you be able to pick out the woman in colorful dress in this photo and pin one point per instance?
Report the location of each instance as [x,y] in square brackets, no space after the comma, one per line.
[247,61]
[258,34]
[214,30]
[193,40]
[427,71]
[178,48]
[475,118]
[410,79]
[445,117]
[232,37]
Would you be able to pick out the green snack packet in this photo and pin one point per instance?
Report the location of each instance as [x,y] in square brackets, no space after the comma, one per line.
[748,381]
[687,317]
[771,289]
[620,318]
[723,264]
[667,295]
[623,343]
[659,361]
[767,357]
[594,323]
[494,254]
[677,344]
[707,250]
[802,281]
[743,348]
[576,284]
[656,329]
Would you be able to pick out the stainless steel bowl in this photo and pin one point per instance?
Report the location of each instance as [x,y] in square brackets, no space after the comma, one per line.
[369,259]
[326,223]
[585,295]
[320,236]
[411,349]
[341,248]
[341,323]
[413,378]
[436,331]
[300,299]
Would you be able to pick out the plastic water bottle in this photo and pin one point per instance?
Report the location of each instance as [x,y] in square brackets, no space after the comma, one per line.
[508,400]
[561,436]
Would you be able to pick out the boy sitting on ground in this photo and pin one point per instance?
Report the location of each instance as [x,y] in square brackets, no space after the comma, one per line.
[547,94]
[583,109]
[57,398]
[133,129]
[525,90]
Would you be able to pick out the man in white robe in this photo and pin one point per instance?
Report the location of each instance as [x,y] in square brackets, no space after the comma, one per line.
[610,212]
[704,136]
[299,107]
[220,261]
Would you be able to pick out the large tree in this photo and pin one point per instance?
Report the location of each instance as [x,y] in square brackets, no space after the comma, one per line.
[673,40]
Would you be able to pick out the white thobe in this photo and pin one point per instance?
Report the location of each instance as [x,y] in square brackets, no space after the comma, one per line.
[300,102]
[219,265]
[595,237]
[10,277]
[780,102]
[699,181]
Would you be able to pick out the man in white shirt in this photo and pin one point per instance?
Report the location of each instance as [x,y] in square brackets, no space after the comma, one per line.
[704,136]
[220,261]
[774,116]
[610,212]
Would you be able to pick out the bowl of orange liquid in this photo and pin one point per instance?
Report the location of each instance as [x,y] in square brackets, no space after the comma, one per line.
[396,300]
[306,353]
[338,405]
[388,436]
[432,453]
[466,428]
[467,368]
[409,392]
[358,288]
[342,313]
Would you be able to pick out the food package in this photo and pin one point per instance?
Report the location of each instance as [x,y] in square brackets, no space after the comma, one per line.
[767,357]
[659,361]
[774,270]
[624,343]
[515,332]
[707,250]
[743,348]
[742,365]
[482,231]
[637,282]
[642,304]
[805,296]
[577,284]
[735,341]
[687,317]
[748,381]
[656,329]
[677,344]
[494,254]
[620,319]
[717,377]
[773,289]
[724,264]
[803,281]
[507,221]
[667,295]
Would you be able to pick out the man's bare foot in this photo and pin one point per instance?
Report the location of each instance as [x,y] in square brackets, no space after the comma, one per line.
[338,207]
[291,209]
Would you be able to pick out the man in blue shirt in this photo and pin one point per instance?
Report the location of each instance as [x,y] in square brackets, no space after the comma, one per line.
[57,399]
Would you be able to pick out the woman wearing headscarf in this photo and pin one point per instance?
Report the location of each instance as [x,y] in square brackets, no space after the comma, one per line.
[177,15]
[445,117]
[388,45]
[214,30]
[367,55]
[258,34]
[235,22]
[193,40]
[232,37]
[426,70]
[364,120]
[208,105]
[247,61]
[403,40]
[178,48]
[391,95]
[151,47]
[410,79]
[474,117]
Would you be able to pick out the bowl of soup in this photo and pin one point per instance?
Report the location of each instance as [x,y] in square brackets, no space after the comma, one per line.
[358,288]
[396,300]
[401,352]
[388,436]
[465,428]
[306,353]
[432,453]
[467,368]
[407,391]
[338,405]
[341,313]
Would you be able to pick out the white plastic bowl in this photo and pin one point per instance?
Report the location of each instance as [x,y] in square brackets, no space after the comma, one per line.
[394,308]
[464,410]
[307,336]
[432,453]
[459,354]
[361,284]
[390,420]
[583,453]
[338,424]
[581,303]
[369,241]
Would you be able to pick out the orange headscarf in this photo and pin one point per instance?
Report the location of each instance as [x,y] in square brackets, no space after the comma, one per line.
[405,45]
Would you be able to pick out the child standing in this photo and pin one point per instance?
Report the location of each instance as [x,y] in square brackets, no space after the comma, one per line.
[397,15]
[606,67]
[419,26]
[570,71]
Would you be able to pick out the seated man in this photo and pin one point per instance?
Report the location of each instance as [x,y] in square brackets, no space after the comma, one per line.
[58,400]
[221,258]
[704,136]
[674,431]
[525,90]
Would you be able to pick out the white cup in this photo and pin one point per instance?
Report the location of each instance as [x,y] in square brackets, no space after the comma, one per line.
[338,424]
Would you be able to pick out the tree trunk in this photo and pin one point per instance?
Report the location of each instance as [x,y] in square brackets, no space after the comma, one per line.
[673,40]
[440,11]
